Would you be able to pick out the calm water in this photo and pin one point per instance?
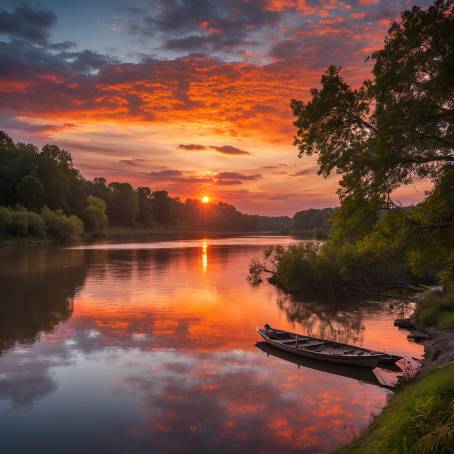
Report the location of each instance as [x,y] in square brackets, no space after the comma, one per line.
[150,347]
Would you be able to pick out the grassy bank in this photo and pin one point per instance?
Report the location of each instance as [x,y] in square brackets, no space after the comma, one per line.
[419,419]
[436,310]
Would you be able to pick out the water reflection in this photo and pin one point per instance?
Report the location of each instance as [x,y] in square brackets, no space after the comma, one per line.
[37,291]
[205,255]
[153,349]
[336,320]
[361,374]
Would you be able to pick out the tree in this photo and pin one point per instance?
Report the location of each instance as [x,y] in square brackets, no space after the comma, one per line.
[395,128]
[164,207]
[30,192]
[64,186]
[312,219]
[145,214]
[95,218]
[99,188]
[123,207]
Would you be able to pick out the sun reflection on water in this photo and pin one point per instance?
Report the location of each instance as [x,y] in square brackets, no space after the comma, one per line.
[204,255]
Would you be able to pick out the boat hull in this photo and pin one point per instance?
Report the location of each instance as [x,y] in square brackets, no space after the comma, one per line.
[365,361]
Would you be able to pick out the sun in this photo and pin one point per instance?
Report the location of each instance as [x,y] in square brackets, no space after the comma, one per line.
[205,199]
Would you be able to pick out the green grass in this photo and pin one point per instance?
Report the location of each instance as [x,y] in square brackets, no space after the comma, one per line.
[418,420]
[435,310]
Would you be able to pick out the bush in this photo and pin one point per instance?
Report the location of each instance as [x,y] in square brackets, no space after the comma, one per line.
[436,310]
[5,218]
[60,226]
[36,225]
[95,218]
[18,224]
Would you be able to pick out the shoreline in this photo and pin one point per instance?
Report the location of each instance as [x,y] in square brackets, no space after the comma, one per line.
[115,233]
[387,431]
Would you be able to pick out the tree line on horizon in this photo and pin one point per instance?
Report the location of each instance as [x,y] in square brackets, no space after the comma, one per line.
[43,194]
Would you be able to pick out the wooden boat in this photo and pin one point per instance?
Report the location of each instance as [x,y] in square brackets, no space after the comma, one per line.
[324,350]
[362,374]
[387,374]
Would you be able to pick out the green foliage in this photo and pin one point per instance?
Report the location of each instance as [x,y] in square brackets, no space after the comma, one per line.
[313,219]
[95,218]
[124,206]
[432,245]
[300,266]
[5,218]
[145,205]
[419,419]
[36,226]
[33,177]
[321,234]
[375,261]
[165,209]
[354,218]
[18,224]
[30,192]
[60,226]
[436,310]
[393,130]
[397,127]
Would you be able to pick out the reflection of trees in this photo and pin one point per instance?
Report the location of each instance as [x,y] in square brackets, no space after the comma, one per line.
[37,287]
[337,321]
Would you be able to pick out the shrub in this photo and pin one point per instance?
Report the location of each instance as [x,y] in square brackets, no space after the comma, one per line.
[60,226]
[435,310]
[95,218]
[5,218]
[36,225]
[18,224]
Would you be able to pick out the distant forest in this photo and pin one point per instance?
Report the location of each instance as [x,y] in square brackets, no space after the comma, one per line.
[43,194]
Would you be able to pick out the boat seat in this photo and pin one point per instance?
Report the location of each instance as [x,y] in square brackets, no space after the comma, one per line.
[315,344]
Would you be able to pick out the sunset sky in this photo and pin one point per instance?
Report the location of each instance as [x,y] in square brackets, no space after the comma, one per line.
[184,95]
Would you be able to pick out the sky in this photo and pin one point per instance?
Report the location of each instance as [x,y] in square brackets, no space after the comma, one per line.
[188,96]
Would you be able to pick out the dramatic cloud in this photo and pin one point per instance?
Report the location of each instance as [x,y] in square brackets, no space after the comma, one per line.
[224,149]
[27,23]
[228,149]
[236,176]
[215,77]
[307,171]
[133,162]
[192,147]
[166,174]
[228,182]
[208,25]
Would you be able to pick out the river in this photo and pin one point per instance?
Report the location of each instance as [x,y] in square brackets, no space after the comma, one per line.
[151,347]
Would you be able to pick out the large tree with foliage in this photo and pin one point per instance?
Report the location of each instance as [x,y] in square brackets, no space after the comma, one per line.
[395,128]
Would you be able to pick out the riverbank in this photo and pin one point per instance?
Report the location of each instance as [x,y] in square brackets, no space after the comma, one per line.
[420,417]
[140,233]
[117,231]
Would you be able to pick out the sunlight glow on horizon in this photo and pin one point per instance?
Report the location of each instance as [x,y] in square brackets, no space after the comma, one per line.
[205,199]
[188,116]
